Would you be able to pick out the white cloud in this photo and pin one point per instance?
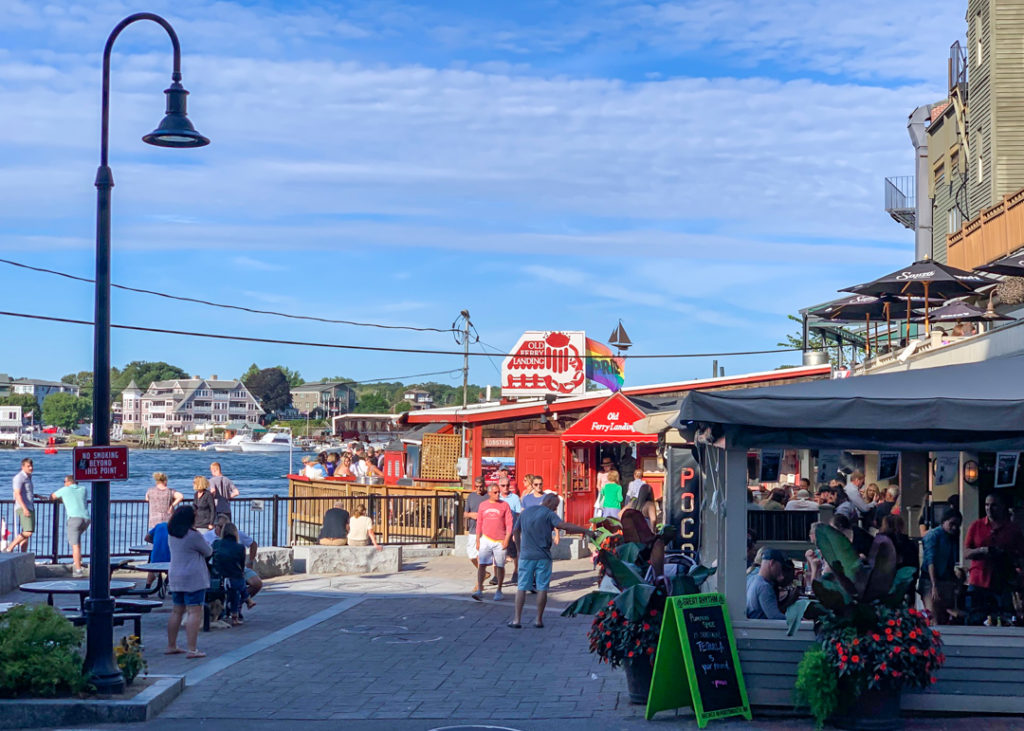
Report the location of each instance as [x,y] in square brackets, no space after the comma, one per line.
[249,262]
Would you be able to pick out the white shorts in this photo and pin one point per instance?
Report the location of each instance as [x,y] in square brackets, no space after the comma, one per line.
[491,552]
[471,551]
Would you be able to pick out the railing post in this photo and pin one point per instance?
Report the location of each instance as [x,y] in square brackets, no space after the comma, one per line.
[54,530]
[386,519]
[435,519]
[274,523]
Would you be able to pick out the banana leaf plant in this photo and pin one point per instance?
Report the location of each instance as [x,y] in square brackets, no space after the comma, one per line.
[636,566]
[855,588]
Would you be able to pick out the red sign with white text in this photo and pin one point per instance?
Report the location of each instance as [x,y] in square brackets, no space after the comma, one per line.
[610,421]
[101,464]
[546,363]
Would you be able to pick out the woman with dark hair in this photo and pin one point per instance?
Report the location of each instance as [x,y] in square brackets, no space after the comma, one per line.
[645,504]
[229,563]
[188,579]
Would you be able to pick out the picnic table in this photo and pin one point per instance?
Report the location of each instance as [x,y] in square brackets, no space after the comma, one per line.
[143,549]
[72,586]
[160,568]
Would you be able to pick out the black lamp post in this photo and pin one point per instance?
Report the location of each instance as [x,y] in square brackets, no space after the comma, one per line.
[175,130]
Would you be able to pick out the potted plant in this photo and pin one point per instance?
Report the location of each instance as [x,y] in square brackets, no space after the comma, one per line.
[869,643]
[630,603]
[39,654]
[129,658]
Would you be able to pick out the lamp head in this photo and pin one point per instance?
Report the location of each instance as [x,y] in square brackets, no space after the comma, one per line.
[175,129]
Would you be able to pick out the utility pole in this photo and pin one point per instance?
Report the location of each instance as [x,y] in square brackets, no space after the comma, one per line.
[465,358]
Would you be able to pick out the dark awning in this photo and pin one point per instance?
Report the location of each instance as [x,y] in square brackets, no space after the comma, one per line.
[969,406]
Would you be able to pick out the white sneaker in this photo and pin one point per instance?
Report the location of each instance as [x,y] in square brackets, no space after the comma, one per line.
[498,596]
[78,573]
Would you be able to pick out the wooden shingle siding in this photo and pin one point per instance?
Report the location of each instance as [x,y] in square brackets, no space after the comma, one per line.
[1008,95]
[982,673]
[979,119]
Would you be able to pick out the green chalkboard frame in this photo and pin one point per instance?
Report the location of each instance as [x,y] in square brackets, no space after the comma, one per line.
[674,682]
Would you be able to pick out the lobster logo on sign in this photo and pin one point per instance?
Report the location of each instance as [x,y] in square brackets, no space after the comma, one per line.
[545,363]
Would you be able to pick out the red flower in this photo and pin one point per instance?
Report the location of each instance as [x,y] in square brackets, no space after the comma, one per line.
[933,679]
[891,623]
[896,673]
[654,612]
[877,678]
[913,634]
[650,650]
[630,653]
[607,645]
[876,637]
[855,659]
[897,650]
[913,649]
[855,642]
[882,667]
[844,658]
[646,626]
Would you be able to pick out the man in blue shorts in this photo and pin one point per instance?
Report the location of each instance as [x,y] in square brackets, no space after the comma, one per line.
[533,535]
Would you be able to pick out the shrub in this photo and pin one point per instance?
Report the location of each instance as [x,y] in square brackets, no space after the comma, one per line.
[817,686]
[39,653]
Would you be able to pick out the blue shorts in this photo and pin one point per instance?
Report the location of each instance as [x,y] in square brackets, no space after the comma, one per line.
[188,598]
[534,574]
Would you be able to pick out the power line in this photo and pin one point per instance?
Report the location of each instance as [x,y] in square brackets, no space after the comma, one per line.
[376,348]
[225,306]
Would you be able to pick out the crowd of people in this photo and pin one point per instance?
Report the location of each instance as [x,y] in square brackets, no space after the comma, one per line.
[355,461]
[989,592]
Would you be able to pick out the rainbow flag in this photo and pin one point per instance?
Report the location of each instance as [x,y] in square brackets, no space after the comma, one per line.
[603,367]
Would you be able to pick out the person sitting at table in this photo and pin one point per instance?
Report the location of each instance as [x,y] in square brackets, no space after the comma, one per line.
[229,563]
[334,531]
[776,500]
[161,552]
[802,501]
[762,599]
[907,553]
[188,579]
[253,582]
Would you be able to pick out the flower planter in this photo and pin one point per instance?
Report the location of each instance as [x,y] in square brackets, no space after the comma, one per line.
[874,710]
[638,679]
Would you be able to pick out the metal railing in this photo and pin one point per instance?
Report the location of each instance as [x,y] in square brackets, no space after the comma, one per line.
[900,193]
[270,521]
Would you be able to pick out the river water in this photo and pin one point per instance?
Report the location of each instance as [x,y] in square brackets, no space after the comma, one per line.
[255,475]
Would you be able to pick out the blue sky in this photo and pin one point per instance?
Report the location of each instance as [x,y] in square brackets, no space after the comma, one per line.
[697,169]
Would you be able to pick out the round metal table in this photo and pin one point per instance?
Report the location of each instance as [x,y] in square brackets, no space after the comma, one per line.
[72,586]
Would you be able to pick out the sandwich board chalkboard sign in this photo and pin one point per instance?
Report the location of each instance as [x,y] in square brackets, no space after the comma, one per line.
[697,663]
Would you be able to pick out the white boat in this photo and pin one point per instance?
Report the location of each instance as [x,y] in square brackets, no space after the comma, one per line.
[234,444]
[278,439]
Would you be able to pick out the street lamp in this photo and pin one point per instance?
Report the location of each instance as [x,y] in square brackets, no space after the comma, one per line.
[175,130]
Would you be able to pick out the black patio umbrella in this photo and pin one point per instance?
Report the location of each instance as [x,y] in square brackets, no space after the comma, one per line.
[864,307]
[959,311]
[927,278]
[1012,266]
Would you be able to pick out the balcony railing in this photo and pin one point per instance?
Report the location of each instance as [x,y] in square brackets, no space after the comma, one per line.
[900,199]
[997,232]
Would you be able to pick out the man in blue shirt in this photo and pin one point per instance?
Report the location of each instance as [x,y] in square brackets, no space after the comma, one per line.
[533,534]
[762,599]
[75,498]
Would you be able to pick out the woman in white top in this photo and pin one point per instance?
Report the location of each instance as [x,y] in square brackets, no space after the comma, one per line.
[360,529]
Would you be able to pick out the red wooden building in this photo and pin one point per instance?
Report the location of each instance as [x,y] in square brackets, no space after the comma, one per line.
[564,440]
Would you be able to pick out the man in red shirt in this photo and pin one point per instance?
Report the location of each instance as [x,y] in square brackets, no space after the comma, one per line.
[995,546]
[493,531]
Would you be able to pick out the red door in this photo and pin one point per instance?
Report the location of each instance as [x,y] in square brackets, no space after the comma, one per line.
[580,492]
[540,454]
